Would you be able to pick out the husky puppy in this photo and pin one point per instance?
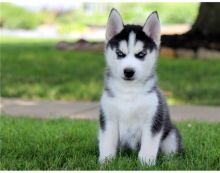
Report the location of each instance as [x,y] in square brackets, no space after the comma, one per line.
[133,111]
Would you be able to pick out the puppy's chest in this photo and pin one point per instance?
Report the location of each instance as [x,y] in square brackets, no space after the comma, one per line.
[133,114]
[130,133]
[133,108]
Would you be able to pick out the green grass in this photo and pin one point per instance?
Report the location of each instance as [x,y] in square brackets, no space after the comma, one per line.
[65,144]
[35,69]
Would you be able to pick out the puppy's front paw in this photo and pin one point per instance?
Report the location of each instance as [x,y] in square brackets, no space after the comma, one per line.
[104,159]
[145,159]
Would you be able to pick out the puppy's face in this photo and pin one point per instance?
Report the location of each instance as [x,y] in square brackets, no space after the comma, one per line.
[131,50]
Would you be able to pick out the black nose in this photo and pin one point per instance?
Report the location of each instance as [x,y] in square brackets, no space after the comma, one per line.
[129,72]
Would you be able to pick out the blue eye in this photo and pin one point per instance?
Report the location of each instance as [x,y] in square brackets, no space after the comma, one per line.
[141,55]
[120,54]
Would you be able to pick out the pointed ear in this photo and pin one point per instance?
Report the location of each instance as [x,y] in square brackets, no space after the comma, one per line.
[114,25]
[152,27]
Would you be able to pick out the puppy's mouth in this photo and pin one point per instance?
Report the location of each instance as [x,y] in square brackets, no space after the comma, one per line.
[128,79]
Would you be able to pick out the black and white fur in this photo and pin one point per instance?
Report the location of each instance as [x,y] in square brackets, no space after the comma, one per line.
[133,111]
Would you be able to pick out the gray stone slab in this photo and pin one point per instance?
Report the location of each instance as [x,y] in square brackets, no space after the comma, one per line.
[201,113]
[45,109]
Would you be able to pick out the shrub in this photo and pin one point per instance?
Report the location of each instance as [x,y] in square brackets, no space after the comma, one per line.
[14,17]
[169,13]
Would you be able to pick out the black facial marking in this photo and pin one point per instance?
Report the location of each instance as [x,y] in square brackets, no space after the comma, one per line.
[141,55]
[102,119]
[120,54]
[149,44]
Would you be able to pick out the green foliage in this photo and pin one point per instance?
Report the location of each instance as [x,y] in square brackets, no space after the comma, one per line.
[78,20]
[62,144]
[12,16]
[169,13]
[175,13]
[70,27]
[46,17]
[35,69]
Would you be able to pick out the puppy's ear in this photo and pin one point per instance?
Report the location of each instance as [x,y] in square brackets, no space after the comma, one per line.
[114,25]
[152,27]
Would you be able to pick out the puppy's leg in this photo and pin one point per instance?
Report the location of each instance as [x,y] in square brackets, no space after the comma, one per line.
[149,146]
[108,141]
[172,143]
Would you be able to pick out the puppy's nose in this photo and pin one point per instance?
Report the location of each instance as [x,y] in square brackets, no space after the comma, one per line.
[129,72]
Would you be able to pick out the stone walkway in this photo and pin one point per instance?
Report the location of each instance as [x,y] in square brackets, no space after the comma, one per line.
[90,110]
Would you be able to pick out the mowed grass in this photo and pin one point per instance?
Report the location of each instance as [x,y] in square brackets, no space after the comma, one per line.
[35,69]
[65,144]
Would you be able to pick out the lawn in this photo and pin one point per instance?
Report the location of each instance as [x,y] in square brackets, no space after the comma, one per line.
[64,144]
[35,69]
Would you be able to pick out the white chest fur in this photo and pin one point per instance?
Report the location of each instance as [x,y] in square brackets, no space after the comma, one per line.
[130,109]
